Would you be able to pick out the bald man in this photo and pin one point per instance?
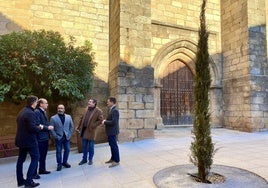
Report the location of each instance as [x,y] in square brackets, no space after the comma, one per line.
[63,130]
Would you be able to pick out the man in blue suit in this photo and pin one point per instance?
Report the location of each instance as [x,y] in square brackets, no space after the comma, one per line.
[112,130]
[63,130]
[42,136]
[26,140]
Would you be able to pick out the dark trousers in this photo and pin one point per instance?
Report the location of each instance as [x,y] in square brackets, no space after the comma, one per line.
[114,148]
[34,154]
[43,148]
[66,146]
[88,148]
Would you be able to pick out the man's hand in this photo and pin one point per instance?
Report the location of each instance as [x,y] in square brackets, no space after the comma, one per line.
[50,127]
[77,130]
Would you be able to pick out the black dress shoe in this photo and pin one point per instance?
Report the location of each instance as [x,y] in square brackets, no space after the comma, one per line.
[82,162]
[58,168]
[114,164]
[36,177]
[66,165]
[33,184]
[44,172]
[21,183]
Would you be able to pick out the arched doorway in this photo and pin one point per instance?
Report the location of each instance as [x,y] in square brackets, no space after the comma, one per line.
[177,103]
[182,51]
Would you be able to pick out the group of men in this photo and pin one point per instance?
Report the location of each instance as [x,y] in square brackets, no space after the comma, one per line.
[33,135]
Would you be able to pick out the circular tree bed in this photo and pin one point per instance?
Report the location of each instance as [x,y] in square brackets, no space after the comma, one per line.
[220,177]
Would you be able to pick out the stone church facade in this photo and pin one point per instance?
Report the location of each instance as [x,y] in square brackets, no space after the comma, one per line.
[145,50]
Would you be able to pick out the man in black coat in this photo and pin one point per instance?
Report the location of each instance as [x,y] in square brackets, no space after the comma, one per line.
[26,140]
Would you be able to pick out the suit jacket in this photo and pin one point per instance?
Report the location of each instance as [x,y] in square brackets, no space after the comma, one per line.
[60,129]
[27,128]
[112,122]
[94,121]
[41,118]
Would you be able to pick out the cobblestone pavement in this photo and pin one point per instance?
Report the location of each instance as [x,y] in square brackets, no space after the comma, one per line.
[141,160]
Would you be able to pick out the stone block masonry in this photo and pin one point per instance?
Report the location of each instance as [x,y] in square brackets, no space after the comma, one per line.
[245,65]
[135,100]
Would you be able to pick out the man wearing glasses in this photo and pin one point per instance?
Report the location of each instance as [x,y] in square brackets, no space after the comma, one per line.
[42,136]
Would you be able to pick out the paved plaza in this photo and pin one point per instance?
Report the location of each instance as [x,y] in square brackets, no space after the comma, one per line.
[141,160]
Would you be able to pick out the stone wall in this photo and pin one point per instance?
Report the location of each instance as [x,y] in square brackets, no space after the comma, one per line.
[135,32]
[174,19]
[135,101]
[236,78]
[8,118]
[114,45]
[131,79]
[245,65]
[258,65]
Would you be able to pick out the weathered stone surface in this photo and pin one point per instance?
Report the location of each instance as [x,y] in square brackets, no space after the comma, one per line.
[127,135]
[144,113]
[150,123]
[126,114]
[145,133]
[135,123]
[136,105]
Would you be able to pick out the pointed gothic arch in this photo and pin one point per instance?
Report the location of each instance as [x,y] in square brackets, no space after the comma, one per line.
[183,51]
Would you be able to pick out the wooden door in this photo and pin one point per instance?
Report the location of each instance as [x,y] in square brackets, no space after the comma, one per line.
[177,94]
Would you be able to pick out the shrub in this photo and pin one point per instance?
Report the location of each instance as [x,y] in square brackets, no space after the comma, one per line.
[41,63]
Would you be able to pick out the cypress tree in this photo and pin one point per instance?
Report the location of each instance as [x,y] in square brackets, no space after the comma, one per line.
[202,148]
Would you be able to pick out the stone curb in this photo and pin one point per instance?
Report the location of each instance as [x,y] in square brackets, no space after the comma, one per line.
[176,176]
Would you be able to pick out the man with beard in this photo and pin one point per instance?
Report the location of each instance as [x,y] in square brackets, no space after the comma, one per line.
[63,130]
[87,127]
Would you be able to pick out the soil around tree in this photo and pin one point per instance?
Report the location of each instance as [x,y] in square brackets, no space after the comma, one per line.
[221,177]
[212,178]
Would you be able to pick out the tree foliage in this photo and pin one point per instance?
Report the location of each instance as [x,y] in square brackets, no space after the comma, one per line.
[202,148]
[41,63]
